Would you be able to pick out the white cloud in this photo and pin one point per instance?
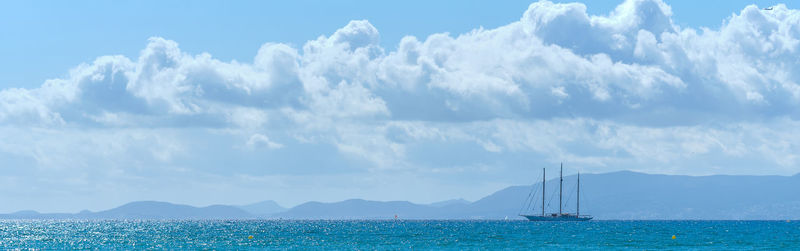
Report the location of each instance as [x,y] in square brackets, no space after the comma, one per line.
[559,92]
[246,117]
[637,56]
[627,90]
[260,140]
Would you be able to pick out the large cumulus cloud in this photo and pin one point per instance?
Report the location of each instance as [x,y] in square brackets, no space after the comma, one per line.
[626,90]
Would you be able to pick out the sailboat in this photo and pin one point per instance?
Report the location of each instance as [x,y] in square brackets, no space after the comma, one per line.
[560,216]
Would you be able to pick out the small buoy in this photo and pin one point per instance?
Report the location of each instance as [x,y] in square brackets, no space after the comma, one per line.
[788,221]
[673,237]
[395,216]
[250,237]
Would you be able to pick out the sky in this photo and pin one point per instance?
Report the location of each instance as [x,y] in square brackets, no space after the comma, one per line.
[202,102]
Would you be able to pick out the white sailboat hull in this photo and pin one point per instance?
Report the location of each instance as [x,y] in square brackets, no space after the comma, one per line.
[557,218]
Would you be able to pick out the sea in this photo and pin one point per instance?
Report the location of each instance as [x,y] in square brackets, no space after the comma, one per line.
[398,234]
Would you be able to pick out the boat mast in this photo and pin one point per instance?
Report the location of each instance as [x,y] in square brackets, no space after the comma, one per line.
[543,183]
[578,207]
[560,183]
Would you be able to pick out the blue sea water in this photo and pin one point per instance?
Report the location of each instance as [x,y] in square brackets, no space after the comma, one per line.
[390,234]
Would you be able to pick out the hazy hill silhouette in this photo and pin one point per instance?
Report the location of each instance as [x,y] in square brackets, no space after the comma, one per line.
[164,210]
[445,203]
[144,210]
[263,208]
[618,195]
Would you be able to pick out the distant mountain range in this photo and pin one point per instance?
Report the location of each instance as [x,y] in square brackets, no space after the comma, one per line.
[445,203]
[619,195]
[263,209]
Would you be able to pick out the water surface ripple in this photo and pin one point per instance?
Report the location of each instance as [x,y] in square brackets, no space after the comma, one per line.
[391,234]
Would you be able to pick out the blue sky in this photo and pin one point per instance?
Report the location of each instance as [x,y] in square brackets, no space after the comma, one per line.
[207,102]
